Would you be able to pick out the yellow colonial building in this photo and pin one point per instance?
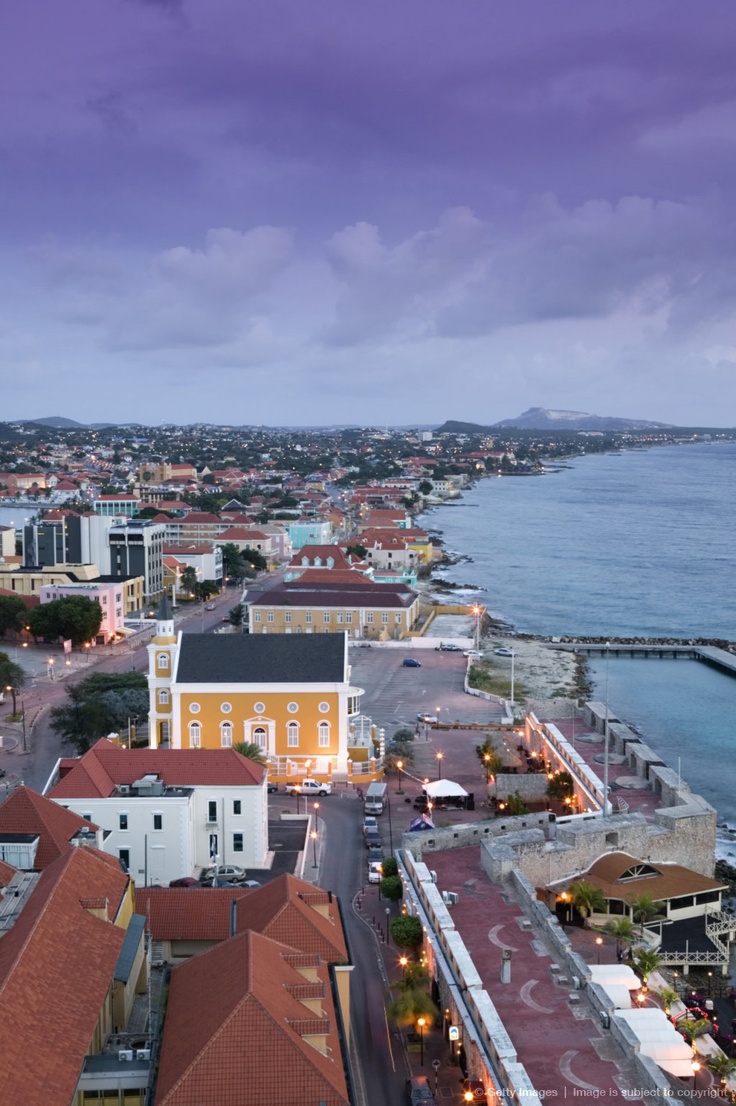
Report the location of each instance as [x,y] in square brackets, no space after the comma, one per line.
[289,694]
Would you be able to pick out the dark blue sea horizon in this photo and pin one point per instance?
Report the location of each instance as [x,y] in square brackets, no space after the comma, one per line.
[636,544]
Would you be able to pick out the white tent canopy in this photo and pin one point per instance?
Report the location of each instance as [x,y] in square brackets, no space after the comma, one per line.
[444,789]
[617,974]
[659,1040]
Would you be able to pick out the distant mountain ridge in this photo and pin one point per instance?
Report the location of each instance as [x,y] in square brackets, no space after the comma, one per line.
[541,418]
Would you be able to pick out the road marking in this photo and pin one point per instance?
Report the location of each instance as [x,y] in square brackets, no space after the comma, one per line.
[565,1061]
[525,994]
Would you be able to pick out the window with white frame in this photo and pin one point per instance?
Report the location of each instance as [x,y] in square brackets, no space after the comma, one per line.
[195,735]
[339,617]
[226,734]
[384,616]
[326,616]
[287,616]
[256,616]
[163,696]
[269,616]
[292,735]
[349,617]
[369,618]
[397,618]
[308,616]
[323,731]
[163,660]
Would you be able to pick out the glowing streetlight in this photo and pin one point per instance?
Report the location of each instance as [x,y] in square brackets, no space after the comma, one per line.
[399,766]
[439,757]
[314,835]
[403,961]
[421,1022]
[599,942]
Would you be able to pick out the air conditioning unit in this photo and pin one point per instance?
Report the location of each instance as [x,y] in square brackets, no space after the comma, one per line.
[143,1054]
[124,788]
[125,1054]
[450,898]
[433,876]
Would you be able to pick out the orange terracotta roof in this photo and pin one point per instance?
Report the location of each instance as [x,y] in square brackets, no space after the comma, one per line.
[105,766]
[25,811]
[296,914]
[661,881]
[56,966]
[188,913]
[7,871]
[236,1019]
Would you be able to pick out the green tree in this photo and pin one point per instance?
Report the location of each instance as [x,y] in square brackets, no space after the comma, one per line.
[587,899]
[252,751]
[98,705]
[357,550]
[623,930]
[645,961]
[560,786]
[235,614]
[407,932]
[515,804]
[425,488]
[722,1065]
[692,1029]
[12,613]
[74,617]
[412,1003]
[645,908]
[12,678]
[233,562]
[390,866]
[189,580]
[391,887]
[254,557]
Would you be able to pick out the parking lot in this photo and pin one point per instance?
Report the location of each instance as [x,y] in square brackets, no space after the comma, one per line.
[395,695]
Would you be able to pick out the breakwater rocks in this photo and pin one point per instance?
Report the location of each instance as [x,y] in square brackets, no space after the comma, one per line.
[653,642]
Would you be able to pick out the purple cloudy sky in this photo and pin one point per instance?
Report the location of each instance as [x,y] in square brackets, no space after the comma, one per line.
[387,211]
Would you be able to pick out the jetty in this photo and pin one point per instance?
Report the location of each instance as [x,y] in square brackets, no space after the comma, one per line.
[707,654]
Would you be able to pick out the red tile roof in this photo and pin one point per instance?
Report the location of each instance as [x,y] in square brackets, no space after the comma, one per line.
[56,966]
[234,1031]
[7,871]
[188,913]
[25,811]
[105,766]
[296,914]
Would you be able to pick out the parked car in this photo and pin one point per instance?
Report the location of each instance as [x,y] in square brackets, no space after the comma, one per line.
[185,881]
[409,662]
[251,883]
[375,854]
[225,872]
[370,823]
[472,653]
[272,788]
[311,787]
[375,871]
[372,839]
[418,1092]
[209,606]
[446,648]
[504,651]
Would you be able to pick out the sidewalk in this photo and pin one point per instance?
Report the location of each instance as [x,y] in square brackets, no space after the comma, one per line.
[431,1055]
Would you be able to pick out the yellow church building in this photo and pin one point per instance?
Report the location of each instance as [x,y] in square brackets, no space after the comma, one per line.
[290,694]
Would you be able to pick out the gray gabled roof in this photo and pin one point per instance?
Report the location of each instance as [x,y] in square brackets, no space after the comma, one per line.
[262,658]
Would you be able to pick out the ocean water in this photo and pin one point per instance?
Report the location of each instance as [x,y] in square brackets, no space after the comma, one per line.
[637,544]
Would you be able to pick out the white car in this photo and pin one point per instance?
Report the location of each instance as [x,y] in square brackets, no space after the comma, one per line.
[472,653]
[311,787]
[504,651]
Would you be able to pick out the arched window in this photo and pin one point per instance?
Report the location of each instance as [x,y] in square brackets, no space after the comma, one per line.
[324,735]
[260,737]
[163,660]
[195,735]
[163,696]
[292,735]
[226,734]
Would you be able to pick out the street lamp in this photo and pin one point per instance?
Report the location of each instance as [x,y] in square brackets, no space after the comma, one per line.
[403,961]
[51,663]
[87,646]
[388,915]
[297,789]
[399,765]
[314,835]
[439,757]
[487,760]
[695,1065]
[477,610]
[421,1022]
[437,712]
[599,942]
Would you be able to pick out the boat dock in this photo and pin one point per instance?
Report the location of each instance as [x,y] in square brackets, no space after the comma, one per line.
[708,654]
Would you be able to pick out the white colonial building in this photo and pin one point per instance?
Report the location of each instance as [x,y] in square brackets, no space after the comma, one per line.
[167,812]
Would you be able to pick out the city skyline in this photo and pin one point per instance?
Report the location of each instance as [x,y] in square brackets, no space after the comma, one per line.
[389,214]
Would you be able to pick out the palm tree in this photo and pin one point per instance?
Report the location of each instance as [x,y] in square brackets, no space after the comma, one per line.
[587,899]
[722,1065]
[669,997]
[692,1029]
[646,961]
[252,751]
[623,930]
[189,579]
[12,678]
[645,909]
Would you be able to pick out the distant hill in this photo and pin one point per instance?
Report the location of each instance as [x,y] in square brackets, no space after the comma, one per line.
[59,422]
[540,418]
